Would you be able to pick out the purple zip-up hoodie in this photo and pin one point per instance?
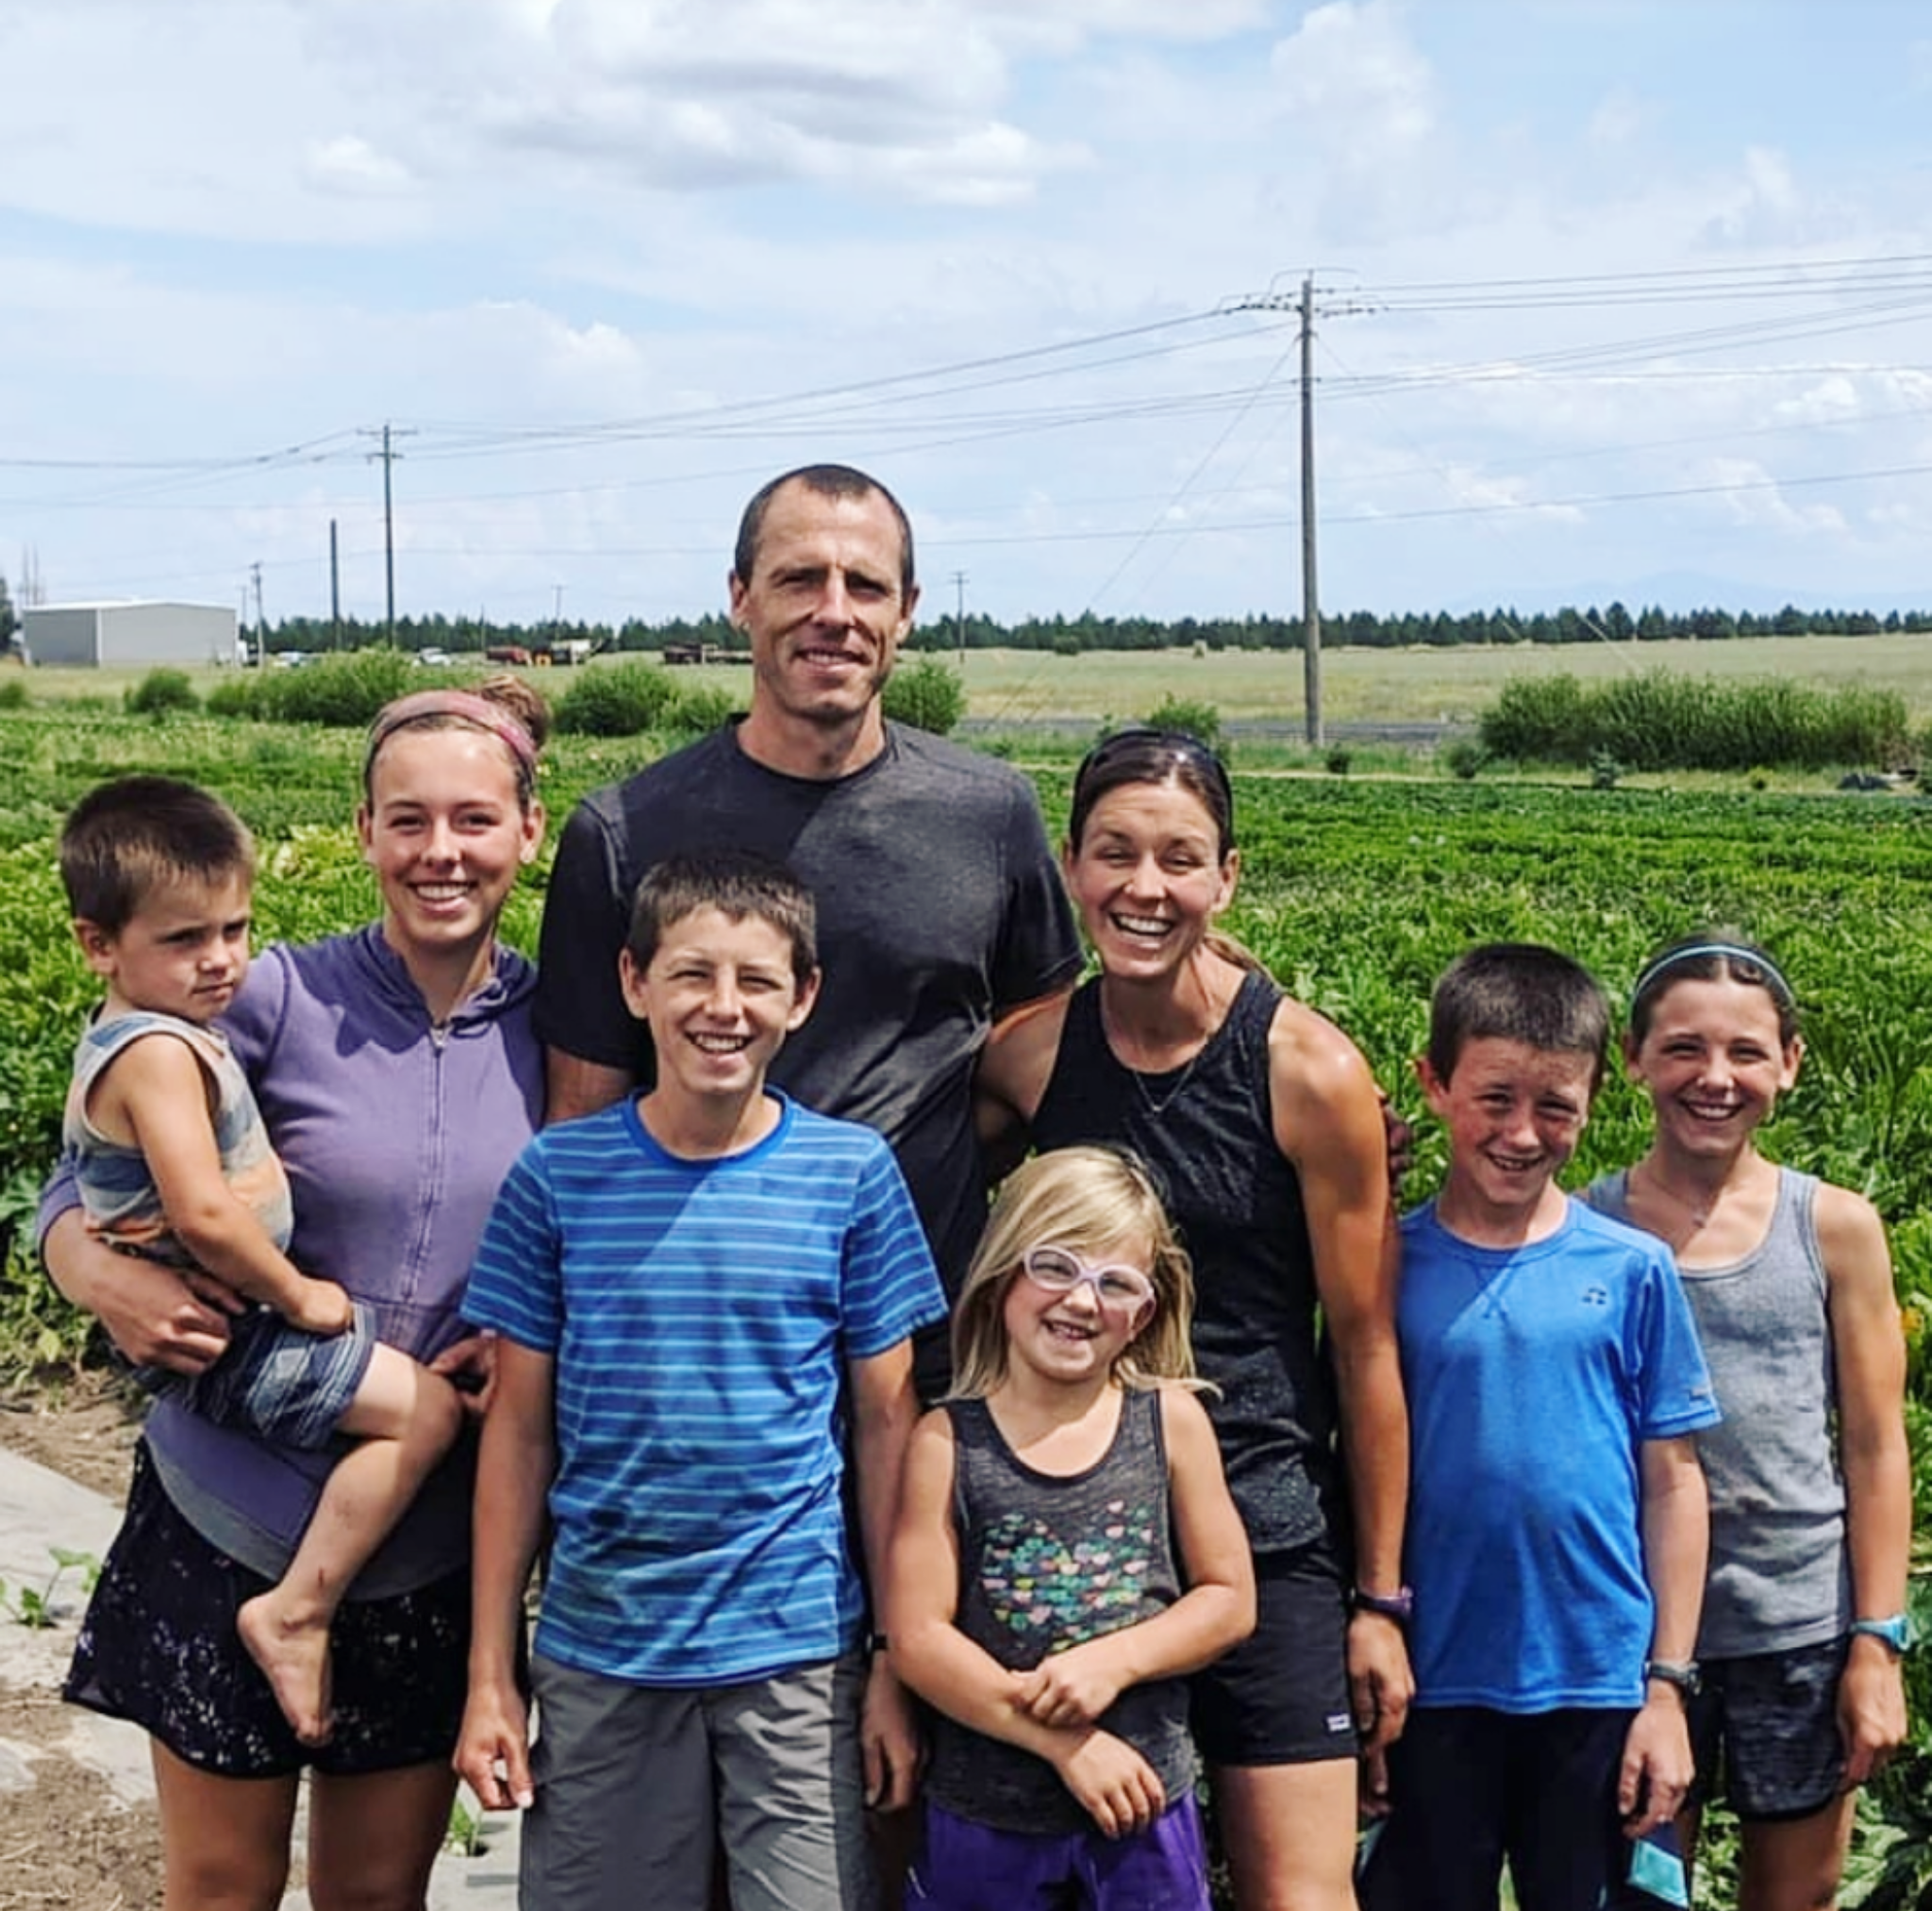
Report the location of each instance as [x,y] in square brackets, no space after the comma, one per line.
[395,1134]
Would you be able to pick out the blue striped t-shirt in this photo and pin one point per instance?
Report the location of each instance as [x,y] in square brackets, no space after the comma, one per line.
[700,1315]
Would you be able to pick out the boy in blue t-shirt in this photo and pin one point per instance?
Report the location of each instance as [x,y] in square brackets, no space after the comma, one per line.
[693,1289]
[1557,1518]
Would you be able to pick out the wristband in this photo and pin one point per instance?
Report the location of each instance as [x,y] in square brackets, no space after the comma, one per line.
[1896,1632]
[1398,1606]
[1682,1674]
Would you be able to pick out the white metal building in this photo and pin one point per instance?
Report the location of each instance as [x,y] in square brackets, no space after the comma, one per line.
[128,632]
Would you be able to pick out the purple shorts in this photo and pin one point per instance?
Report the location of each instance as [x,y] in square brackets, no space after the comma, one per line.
[966,1867]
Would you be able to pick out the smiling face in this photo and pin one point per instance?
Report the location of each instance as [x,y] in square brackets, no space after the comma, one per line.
[445,834]
[1514,1114]
[1074,1335]
[719,996]
[1713,1062]
[1147,877]
[183,952]
[825,612]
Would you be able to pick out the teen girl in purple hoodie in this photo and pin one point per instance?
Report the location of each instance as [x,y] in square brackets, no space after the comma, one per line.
[399,1078]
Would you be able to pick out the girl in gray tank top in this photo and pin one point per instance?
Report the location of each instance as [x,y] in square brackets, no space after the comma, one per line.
[1067,1551]
[1791,1282]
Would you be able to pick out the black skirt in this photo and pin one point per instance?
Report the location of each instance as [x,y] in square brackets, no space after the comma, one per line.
[159,1648]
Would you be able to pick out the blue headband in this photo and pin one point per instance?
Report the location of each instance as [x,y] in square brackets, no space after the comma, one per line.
[1730,952]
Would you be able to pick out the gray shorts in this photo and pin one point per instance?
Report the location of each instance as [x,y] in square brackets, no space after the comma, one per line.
[1769,1723]
[636,1786]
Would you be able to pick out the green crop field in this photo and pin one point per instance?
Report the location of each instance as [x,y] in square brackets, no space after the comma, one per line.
[1355,892]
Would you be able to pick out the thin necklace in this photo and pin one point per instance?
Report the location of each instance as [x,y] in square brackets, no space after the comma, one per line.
[1699,1216]
[1159,1108]
[1156,1108]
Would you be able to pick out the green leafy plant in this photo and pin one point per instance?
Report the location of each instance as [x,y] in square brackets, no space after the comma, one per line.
[33,1606]
[926,694]
[616,700]
[1191,714]
[162,693]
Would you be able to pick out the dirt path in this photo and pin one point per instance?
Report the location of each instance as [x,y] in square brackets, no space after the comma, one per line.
[67,1842]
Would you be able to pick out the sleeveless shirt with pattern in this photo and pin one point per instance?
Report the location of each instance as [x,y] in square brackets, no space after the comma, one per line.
[1237,1205]
[117,1186]
[1047,1562]
[1779,1577]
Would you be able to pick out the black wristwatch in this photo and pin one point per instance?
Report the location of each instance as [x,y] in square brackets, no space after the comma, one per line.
[1398,1606]
[1682,1674]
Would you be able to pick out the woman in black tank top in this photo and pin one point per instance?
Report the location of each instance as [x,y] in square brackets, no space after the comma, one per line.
[1266,1125]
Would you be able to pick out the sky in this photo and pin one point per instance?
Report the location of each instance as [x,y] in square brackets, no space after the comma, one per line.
[1613,298]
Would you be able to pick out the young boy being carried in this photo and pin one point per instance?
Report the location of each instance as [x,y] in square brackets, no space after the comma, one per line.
[1557,1520]
[173,1161]
[692,1287]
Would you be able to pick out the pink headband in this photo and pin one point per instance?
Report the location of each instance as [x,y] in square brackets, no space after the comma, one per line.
[464,704]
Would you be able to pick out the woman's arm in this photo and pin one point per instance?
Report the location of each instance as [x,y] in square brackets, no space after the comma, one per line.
[1869,1352]
[515,1464]
[1216,1611]
[1328,1121]
[1013,1070]
[151,1312]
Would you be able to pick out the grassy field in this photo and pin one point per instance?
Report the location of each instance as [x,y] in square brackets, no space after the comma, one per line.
[1421,686]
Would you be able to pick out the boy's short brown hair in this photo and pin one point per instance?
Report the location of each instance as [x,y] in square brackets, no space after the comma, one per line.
[1518,992]
[126,839]
[736,884]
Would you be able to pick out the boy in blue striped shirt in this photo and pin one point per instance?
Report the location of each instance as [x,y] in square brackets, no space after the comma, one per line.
[693,1290]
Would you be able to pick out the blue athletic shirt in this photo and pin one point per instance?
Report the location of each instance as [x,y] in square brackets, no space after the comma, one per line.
[1534,1376]
[700,1315]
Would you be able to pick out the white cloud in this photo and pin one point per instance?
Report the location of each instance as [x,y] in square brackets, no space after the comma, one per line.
[349,164]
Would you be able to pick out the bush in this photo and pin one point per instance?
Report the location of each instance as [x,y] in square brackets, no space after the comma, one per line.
[1338,759]
[1465,759]
[236,697]
[13,694]
[342,691]
[1661,720]
[1198,718]
[699,711]
[345,691]
[929,695]
[616,700]
[161,693]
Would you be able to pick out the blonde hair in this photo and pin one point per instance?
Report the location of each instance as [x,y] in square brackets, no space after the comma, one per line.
[1085,1199]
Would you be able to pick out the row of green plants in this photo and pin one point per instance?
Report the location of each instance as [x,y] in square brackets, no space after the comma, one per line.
[1661,719]
[627,698]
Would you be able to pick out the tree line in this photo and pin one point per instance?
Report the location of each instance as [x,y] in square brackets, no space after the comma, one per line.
[1068,636]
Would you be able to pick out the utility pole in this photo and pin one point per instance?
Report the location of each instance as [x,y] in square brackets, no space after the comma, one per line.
[1311,611]
[1303,305]
[260,621]
[959,615]
[335,590]
[389,456]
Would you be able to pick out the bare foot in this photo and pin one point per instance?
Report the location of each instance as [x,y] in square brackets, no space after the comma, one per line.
[295,1658]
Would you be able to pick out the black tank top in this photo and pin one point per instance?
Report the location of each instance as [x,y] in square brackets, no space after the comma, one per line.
[1207,1131]
[1047,1561]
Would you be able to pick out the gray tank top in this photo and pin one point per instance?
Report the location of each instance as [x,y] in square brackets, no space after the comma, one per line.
[1046,1562]
[1779,1577]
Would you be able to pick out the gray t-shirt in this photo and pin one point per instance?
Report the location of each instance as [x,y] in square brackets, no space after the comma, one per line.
[1779,1576]
[1047,1562]
[939,903]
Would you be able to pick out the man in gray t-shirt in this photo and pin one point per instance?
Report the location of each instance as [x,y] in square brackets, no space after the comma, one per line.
[940,905]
